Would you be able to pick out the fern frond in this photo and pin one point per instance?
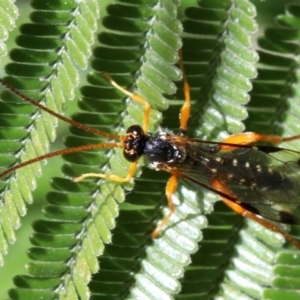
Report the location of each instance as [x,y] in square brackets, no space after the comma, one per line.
[273,101]
[221,62]
[41,66]
[93,244]
[97,204]
[8,16]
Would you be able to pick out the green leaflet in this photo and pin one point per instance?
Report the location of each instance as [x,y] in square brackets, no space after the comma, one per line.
[137,43]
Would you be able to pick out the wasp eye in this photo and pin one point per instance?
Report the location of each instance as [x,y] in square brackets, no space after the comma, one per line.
[131,156]
[135,130]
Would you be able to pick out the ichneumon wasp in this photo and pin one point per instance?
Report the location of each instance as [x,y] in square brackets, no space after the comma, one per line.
[255,181]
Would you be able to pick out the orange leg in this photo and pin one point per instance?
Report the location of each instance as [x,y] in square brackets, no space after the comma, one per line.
[134,97]
[186,107]
[170,190]
[245,213]
[247,138]
[291,138]
[115,178]
[133,166]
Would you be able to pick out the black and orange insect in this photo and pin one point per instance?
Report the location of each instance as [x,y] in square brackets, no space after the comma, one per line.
[255,181]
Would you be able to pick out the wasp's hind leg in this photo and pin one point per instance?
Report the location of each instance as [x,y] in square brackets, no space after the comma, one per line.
[247,138]
[221,187]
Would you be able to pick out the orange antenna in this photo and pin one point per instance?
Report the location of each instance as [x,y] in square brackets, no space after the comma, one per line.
[61,152]
[131,142]
[61,117]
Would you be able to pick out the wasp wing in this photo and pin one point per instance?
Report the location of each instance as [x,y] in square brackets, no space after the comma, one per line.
[264,180]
